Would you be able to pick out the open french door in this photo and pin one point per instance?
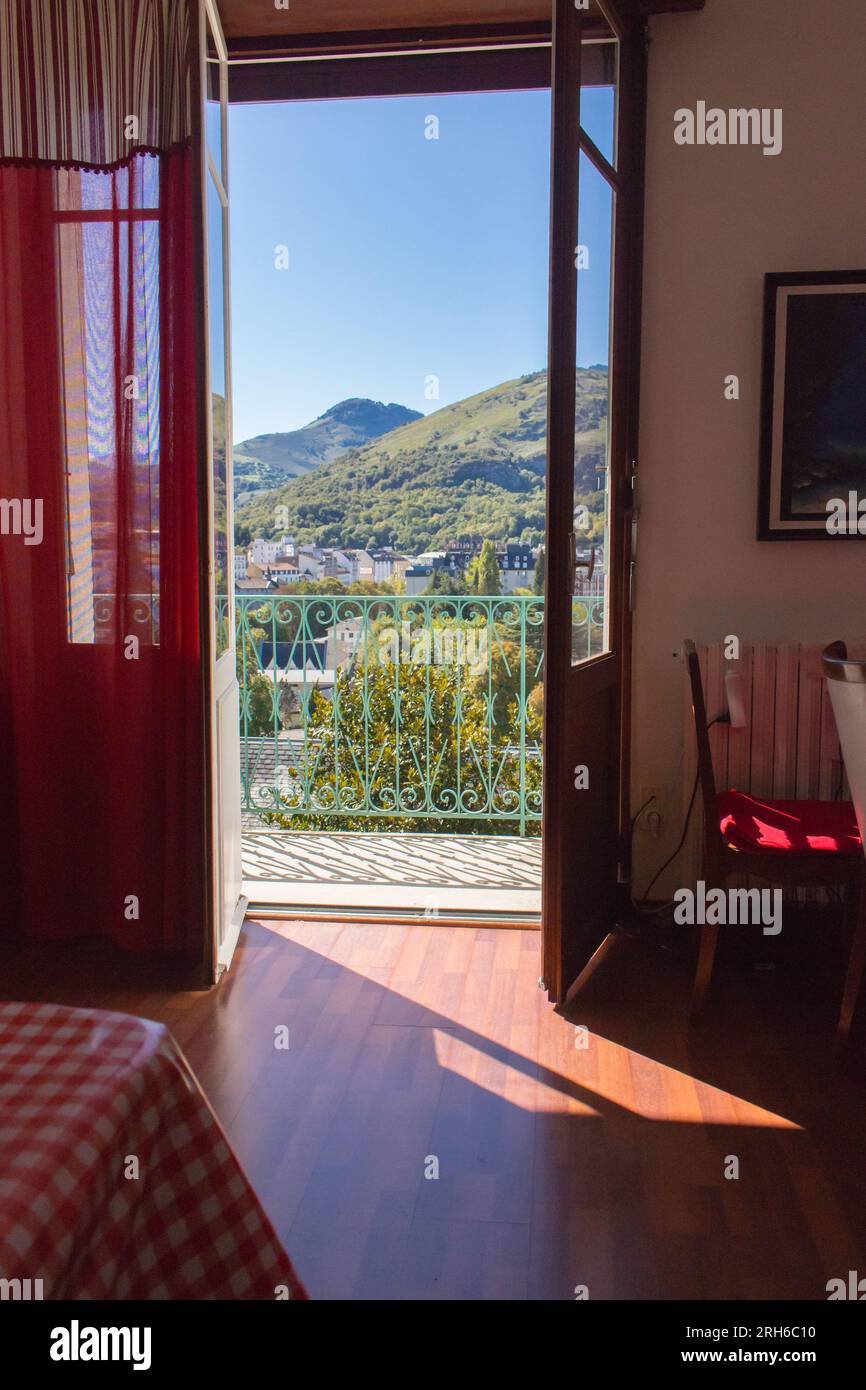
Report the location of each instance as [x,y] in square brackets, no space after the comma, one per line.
[229,904]
[590,543]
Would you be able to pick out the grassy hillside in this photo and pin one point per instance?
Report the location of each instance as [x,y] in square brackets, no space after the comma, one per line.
[475,467]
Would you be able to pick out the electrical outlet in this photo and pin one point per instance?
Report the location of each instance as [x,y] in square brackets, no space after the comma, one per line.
[653,816]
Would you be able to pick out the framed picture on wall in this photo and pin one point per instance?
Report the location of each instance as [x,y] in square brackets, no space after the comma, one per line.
[813,407]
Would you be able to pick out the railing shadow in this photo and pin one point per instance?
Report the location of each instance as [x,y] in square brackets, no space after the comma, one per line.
[369,860]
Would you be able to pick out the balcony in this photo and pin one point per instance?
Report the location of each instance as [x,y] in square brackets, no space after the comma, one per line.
[391,749]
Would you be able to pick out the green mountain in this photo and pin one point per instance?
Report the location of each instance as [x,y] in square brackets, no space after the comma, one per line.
[473,468]
[268,459]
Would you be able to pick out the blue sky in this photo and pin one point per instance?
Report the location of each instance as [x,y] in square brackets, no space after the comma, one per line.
[408,257]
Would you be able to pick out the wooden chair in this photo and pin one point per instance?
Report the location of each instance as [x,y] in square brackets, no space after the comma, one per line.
[792,844]
[846,682]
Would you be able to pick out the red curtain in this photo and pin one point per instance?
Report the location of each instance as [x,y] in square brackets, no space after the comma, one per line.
[101,722]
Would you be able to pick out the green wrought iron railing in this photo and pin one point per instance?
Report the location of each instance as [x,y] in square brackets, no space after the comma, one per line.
[419,712]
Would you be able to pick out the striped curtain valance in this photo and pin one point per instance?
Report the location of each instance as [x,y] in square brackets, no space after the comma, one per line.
[89,82]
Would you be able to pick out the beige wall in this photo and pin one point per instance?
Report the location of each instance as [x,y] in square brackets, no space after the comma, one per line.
[717,218]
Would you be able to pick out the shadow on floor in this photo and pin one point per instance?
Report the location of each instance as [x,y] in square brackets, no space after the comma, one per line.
[558,1165]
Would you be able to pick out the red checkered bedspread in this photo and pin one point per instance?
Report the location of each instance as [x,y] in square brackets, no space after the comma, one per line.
[116,1180]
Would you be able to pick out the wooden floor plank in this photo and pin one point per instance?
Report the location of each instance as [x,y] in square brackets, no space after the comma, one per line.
[372,1164]
[587,1149]
[468,1260]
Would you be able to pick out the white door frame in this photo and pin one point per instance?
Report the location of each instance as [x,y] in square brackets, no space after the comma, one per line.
[229,904]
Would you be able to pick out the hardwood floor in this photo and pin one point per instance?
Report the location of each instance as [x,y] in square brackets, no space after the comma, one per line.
[559,1164]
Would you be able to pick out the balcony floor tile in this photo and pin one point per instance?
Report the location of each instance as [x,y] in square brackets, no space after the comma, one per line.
[431,874]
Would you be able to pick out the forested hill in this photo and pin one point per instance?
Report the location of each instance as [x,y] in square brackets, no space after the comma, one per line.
[269,459]
[473,468]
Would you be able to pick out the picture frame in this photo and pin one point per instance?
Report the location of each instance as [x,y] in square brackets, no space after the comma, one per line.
[813,406]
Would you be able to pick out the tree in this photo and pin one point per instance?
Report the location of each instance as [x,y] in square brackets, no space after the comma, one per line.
[535,713]
[444,582]
[412,737]
[257,707]
[482,574]
[538,582]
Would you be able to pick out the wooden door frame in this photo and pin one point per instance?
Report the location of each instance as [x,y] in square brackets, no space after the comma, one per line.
[360,75]
[207,22]
[504,60]
[627,181]
[631,29]
[207,963]
[558,580]
[468,31]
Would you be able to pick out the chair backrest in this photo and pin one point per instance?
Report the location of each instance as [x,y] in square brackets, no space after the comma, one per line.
[706,775]
[846,682]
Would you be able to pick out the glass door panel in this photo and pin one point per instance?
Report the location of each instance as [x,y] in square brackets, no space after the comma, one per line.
[594,260]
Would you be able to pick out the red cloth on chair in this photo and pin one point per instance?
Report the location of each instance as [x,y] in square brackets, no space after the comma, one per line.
[752,824]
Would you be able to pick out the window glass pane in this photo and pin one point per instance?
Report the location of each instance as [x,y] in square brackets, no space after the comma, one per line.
[592,410]
[216,327]
[215,289]
[213,115]
[108,283]
[598,118]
